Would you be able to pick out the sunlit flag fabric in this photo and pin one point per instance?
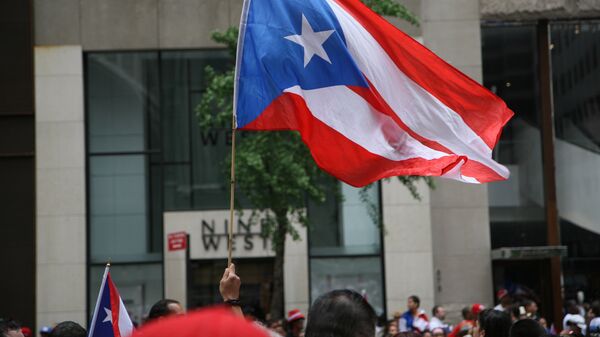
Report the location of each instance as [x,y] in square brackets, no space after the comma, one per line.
[110,316]
[369,101]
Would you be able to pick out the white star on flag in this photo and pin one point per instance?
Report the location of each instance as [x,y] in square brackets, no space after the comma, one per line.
[108,317]
[311,41]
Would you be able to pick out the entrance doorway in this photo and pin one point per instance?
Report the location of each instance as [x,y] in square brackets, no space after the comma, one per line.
[257,281]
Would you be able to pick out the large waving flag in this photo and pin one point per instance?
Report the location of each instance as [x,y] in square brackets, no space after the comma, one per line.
[110,316]
[369,101]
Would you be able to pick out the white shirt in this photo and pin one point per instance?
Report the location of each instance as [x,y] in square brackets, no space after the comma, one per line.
[436,323]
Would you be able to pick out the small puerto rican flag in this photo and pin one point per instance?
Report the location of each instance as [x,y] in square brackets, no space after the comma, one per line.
[110,316]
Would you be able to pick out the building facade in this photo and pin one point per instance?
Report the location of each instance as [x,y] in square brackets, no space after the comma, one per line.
[121,166]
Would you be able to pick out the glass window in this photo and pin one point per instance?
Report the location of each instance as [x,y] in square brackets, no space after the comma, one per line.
[124,194]
[362,274]
[140,286]
[121,93]
[194,176]
[344,228]
[577,151]
[118,207]
[577,107]
[517,213]
[345,245]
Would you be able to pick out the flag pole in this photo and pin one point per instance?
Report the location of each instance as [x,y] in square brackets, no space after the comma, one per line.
[97,307]
[232,192]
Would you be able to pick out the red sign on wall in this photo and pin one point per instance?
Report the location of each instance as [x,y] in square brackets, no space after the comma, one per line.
[177,241]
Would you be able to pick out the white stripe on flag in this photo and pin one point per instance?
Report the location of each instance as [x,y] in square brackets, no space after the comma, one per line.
[125,324]
[416,107]
[349,114]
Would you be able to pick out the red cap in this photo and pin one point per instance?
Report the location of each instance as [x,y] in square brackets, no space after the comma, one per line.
[477,308]
[294,315]
[213,322]
[26,331]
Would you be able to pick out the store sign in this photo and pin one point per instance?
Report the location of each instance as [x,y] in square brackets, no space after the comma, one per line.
[245,236]
[208,234]
[177,241]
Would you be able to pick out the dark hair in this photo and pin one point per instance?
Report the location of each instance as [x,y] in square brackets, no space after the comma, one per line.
[466,311]
[571,307]
[160,309]
[8,325]
[527,328]
[341,313]
[68,329]
[527,302]
[415,299]
[495,323]
[595,308]
[515,310]
[434,310]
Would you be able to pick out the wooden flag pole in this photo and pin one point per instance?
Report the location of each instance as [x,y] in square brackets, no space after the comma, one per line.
[232,193]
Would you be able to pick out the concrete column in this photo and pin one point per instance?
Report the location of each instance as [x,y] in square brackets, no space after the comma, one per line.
[407,246]
[459,212]
[295,273]
[60,161]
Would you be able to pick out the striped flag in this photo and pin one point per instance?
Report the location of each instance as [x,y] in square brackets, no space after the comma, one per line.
[110,316]
[368,100]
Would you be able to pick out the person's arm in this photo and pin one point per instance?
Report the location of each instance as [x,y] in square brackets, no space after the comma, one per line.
[229,287]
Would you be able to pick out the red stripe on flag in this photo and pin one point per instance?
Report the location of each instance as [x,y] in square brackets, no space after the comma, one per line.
[115,306]
[482,173]
[484,112]
[335,153]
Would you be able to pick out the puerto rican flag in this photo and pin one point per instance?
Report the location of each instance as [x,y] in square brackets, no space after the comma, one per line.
[368,100]
[110,316]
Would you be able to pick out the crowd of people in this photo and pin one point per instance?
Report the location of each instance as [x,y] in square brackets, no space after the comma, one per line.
[343,313]
[579,320]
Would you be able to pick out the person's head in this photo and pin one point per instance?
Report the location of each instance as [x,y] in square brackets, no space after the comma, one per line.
[426,333]
[213,322]
[530,307]
[295,322]
[413,303]
[571,307]
[438,332]
[296,327]
[341,313]
[594,310]
[527,328]
[68,329]
[45,331]
[504,298]
[515,312]
[165,307]
[574,323]
[392,329]
[10,328]
[466,313]
[494,323]
[439,312]
[543,322]
[26,331]
[476,309]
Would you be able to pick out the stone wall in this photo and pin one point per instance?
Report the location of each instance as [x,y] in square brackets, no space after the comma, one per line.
[536,9]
